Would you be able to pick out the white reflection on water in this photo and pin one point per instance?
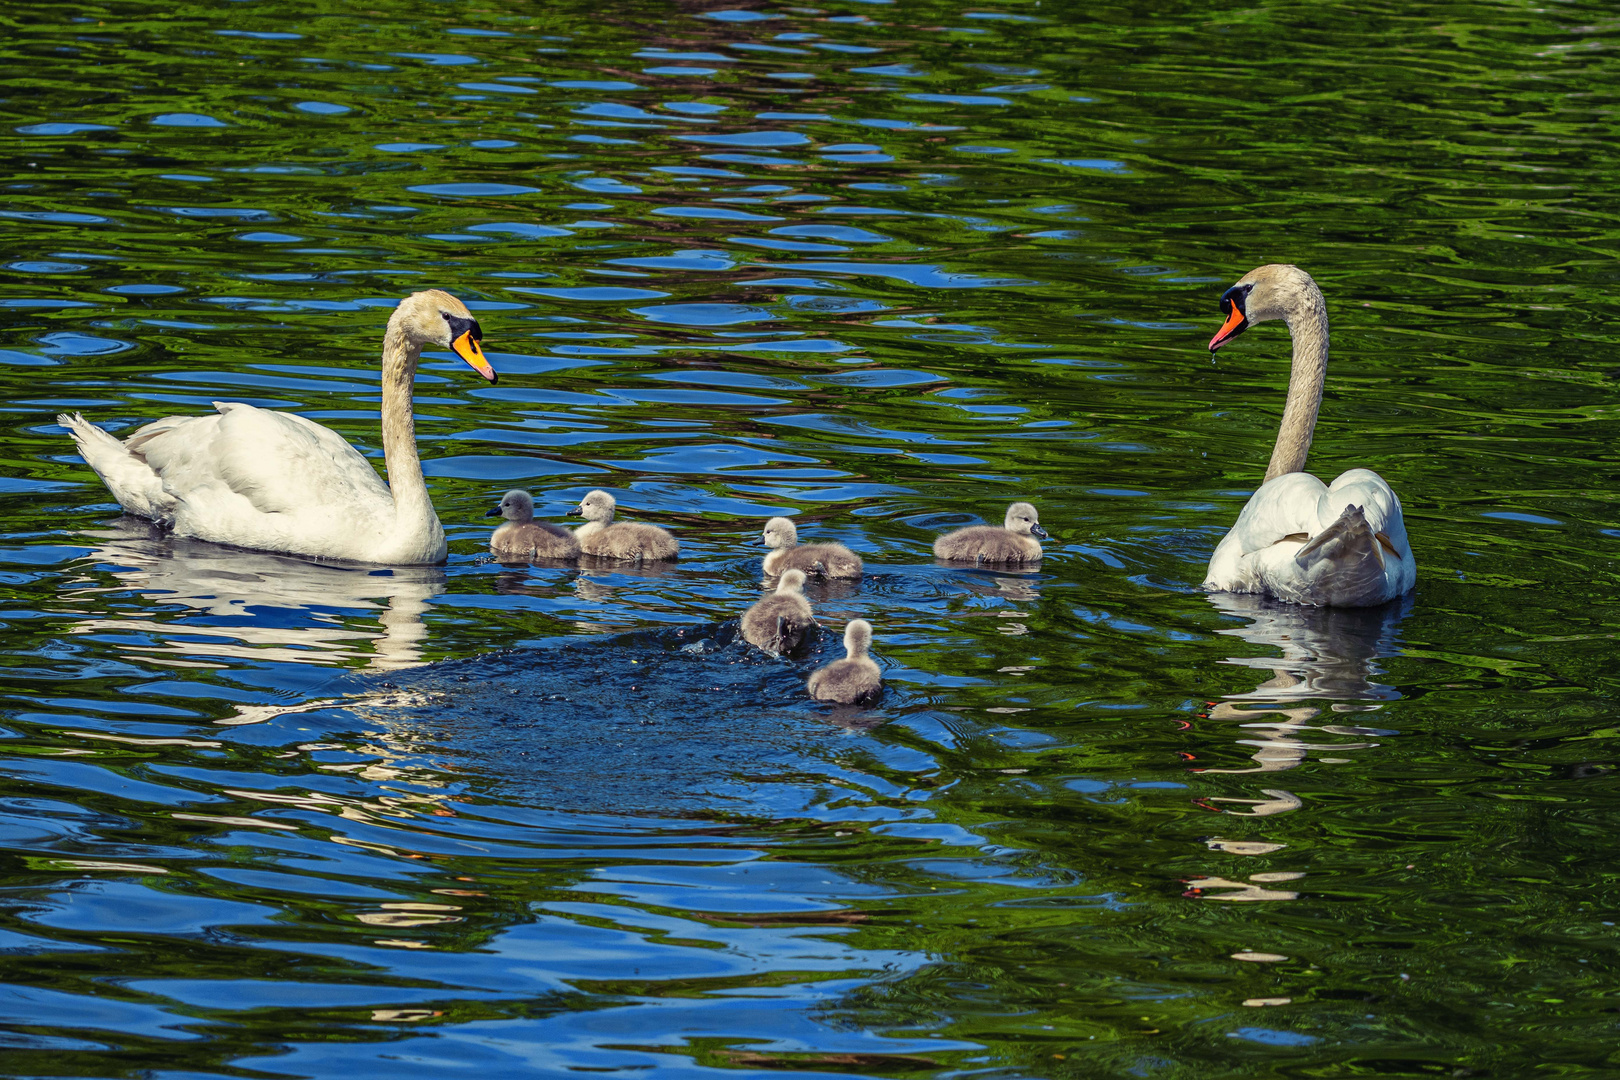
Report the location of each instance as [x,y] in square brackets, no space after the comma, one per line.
[257,606]
[1328,656]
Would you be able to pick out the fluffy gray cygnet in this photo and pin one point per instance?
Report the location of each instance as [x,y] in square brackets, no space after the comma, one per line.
[1017,542]
[525,537]
[825,560]
[854,680]
[778,623]
[631,541]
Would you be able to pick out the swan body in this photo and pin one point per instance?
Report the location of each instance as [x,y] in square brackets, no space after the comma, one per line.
[525,537]
[273,481]
[1017,541]
[854,680]
[825,560]
[1333,545]
[778,623]
[630,541]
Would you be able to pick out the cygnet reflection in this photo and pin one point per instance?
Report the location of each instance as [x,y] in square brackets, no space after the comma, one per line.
[631,541]
[522,537]
[819,560]
[778,623]
[854,680]
[1016,542]
[247,595]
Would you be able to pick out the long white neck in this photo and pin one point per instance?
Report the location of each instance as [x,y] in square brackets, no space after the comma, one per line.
[1309,329]
[411,504]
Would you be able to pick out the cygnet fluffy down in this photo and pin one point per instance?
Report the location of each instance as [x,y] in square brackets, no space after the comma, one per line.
[825,560]
[525,537]
[854,680]
[1017,542]
[778,623]
[628,540]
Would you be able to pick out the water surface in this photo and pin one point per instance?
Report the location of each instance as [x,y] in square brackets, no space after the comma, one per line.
[885,268]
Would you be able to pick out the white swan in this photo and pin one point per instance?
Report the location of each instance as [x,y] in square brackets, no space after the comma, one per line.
[273,481]
[1338,545]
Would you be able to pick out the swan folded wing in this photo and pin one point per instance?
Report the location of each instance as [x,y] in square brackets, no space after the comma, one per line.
[277,462]
[1378,501]
[1282,508]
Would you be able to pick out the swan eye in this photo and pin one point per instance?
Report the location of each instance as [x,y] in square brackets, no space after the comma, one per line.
[459,326]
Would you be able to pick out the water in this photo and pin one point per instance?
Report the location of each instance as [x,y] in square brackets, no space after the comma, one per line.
[885,268]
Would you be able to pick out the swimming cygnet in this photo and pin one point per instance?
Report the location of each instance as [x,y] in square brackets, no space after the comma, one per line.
[854,680]
[525,537]
[1017,542]
[629,540]
[777,623]
[827,560]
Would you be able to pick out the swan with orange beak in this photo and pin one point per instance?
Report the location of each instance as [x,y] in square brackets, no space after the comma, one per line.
[1335,545]
[274,481]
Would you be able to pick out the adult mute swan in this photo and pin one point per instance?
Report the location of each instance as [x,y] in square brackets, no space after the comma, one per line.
[1336,545]
[273,481]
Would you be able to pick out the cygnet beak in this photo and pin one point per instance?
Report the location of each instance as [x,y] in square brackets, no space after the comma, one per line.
[578,511]
[1039,533]
[494,511]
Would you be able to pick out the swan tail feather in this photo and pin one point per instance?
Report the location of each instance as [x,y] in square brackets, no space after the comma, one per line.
[1343,565]
[135,484]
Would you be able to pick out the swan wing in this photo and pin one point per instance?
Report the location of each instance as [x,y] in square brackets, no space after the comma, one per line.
[1342,544]
[259,461]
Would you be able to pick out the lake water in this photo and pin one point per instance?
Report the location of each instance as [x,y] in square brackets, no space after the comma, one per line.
[887,268]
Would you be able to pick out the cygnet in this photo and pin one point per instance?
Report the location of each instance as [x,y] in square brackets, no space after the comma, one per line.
[628,540]
[826,560]
[778,623]
[1017,542]
[525,537]
[854,680]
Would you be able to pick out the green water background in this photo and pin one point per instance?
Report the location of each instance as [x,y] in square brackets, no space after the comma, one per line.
[886,267]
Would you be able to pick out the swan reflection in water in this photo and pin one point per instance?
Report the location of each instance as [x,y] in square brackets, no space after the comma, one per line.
[258,606]
[1329,660]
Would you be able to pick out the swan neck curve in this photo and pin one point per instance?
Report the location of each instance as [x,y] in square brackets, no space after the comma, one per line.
[404,467]
[1308,325]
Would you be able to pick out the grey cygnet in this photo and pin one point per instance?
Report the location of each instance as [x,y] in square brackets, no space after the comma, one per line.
[854,680]
[631,541]
[825,560]
[778,623]
[1016,542]
[525,537]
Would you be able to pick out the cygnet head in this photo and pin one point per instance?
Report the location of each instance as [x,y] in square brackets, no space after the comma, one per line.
[514,506]
[857,637]
[1273,291]
[435,317]
[1022,519]
[780,532]
[596,506]
[792,584]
